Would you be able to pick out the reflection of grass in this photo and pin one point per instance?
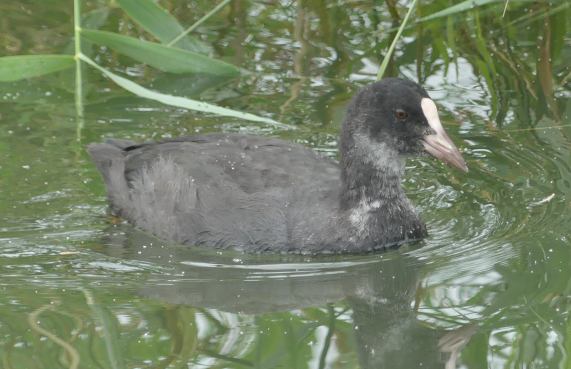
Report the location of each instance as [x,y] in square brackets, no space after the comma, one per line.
[518,323]
[108,324]
[33,321]
[330,332]
[285,350]
[167,336]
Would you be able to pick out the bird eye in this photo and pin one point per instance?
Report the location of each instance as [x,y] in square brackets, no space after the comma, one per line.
[401,114]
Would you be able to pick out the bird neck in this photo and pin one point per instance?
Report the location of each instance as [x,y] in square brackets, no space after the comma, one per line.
[371,173]
[372,198]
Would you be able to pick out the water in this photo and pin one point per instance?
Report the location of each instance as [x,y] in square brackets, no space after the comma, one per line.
[490,287]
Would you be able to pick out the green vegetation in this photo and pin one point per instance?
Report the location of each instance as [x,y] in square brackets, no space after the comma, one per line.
[186,57]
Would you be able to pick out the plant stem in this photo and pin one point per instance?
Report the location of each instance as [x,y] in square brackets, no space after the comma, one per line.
[199,22]
[505,8]
[78,75]
[387,57]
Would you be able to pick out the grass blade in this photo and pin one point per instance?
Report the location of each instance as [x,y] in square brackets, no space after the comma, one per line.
[165,58]
[78,70]
[458,8]
[159,23]
[14,68]
[387,57]
[505,8]
[199,22]
[181,102]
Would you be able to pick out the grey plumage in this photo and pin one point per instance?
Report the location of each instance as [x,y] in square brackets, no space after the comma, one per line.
[237,191]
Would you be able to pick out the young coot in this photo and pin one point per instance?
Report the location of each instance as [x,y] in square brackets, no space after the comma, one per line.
[265,194]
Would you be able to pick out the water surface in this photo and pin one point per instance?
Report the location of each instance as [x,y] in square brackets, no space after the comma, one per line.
[490,287]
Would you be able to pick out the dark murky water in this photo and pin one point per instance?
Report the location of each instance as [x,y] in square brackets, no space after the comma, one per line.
[491,286]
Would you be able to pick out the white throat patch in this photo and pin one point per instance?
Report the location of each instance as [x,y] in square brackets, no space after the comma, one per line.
[378,154]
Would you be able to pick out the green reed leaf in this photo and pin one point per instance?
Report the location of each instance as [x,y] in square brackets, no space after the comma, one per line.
[458,8]
[165,58]
[178,101]
[14,68]
[158,22]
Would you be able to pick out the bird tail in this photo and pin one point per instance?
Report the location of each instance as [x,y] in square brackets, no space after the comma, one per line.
[109,158]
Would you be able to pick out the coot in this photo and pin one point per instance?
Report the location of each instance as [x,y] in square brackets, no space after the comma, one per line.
[264,194]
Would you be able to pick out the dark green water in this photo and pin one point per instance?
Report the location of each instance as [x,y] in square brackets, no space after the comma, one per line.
[490,287]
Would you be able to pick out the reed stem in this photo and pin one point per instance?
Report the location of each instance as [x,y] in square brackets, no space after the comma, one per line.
[78,73]
[389,54]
